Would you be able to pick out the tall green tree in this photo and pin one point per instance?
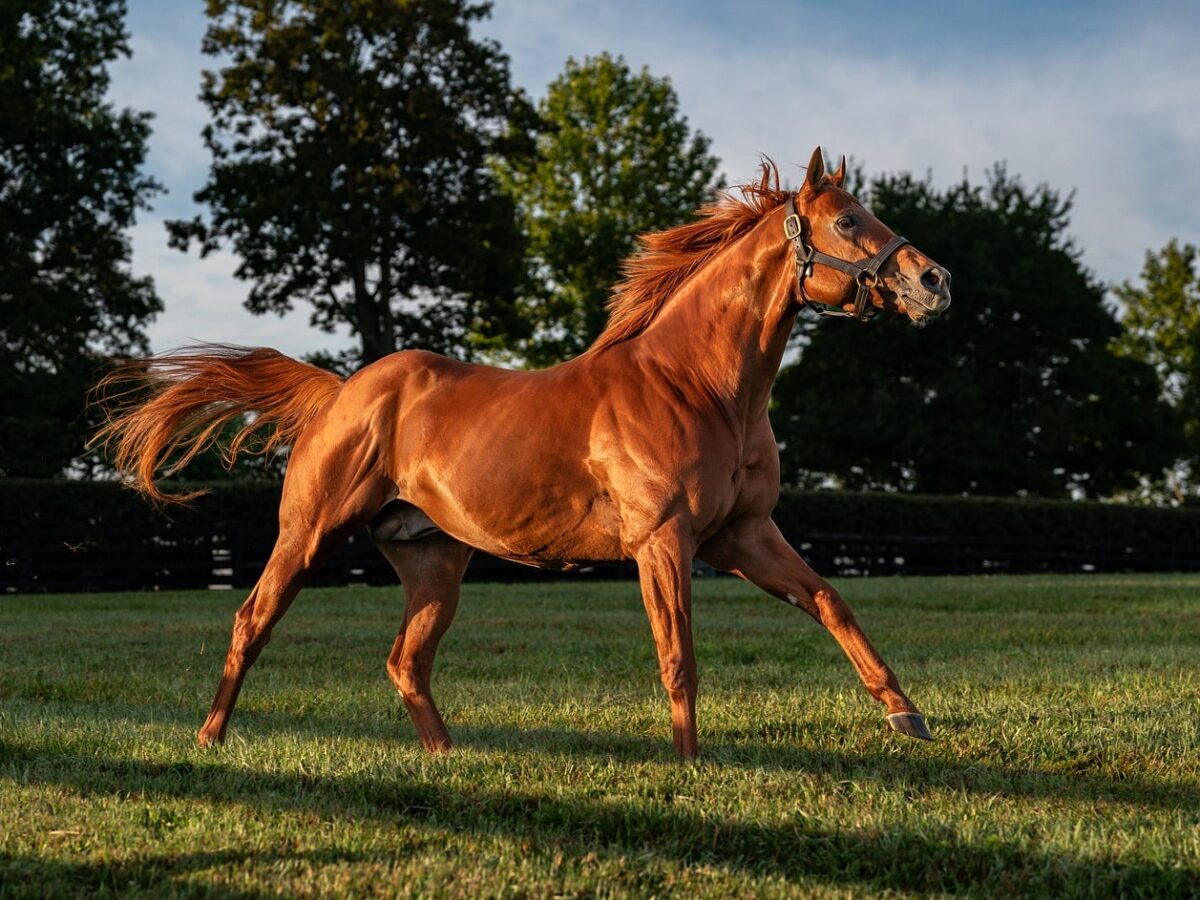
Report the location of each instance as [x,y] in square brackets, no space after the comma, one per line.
[349,142]
[70,185]
[616,158]
[1016,390]
[1161,322]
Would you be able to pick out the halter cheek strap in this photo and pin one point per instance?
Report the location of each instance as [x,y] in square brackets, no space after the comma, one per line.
[865,273]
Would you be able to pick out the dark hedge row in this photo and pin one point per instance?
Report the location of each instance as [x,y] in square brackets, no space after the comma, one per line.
[75,509]
[837,512]
[89,507]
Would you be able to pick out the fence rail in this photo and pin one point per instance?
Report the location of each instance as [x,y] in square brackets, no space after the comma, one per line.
[41,561]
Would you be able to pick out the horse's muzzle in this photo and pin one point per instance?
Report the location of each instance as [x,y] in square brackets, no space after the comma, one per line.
[929,295]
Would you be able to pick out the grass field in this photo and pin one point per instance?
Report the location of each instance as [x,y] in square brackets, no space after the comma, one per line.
[1066,712]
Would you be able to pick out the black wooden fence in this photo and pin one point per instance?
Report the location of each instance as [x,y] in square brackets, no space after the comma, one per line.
[37,560]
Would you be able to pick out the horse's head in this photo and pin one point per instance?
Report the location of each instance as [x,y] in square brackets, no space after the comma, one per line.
[848,263]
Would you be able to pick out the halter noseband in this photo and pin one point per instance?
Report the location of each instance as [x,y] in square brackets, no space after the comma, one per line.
[865,274]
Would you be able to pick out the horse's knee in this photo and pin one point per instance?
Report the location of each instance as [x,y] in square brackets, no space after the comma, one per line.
[410,681]
[834,610]
[678,676]
[249,639]
[393,671]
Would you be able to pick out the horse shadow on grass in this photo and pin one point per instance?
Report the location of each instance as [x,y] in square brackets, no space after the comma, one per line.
[906,860]
[26,876]
[915,767]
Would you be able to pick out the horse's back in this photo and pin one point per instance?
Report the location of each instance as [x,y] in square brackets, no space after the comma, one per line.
[461,396]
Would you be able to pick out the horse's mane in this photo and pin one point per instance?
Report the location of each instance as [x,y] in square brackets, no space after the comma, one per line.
[666,259]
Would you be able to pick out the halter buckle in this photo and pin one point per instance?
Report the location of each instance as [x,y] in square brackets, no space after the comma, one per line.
[792,228]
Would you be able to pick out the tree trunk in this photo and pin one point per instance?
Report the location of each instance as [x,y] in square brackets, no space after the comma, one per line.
[376,331]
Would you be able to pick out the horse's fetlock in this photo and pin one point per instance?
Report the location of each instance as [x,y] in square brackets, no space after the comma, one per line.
[875,687]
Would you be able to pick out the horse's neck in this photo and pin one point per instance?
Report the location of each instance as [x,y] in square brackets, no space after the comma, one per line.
[726,330]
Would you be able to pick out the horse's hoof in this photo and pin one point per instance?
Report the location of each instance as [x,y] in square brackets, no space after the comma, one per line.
[910,723]
[205,739]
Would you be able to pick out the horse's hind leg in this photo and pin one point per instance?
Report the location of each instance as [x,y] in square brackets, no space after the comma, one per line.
[318,513]
[756,551]
[268,601]
[431,570]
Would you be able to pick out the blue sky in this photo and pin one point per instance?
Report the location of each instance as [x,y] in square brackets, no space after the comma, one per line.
[1101,98]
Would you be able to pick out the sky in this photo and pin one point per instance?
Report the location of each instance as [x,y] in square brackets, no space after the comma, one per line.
[1099,98]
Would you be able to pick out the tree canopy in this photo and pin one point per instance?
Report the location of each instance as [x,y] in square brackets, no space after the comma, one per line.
[1016,390]
[349,142]
[70,185]
[615,158]
[1161,322]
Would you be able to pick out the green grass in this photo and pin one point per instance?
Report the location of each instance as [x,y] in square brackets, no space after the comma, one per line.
[1065,709]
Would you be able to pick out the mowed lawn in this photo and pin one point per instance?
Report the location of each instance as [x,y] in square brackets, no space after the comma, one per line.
[1067,761]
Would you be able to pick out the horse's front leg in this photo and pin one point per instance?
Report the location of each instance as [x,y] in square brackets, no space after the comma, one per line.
[665,571]
[756,551]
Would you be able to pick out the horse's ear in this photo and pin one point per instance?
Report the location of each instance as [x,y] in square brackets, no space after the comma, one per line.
[839,177]
[816,170]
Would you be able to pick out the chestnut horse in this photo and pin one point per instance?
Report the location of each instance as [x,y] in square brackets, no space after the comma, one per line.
[653,445]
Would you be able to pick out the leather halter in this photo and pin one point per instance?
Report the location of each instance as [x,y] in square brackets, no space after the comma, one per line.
[864,273]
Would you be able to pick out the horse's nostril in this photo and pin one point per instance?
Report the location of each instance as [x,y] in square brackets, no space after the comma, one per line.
[935,278]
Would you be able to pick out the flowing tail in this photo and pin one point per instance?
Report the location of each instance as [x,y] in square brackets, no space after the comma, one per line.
[164,410]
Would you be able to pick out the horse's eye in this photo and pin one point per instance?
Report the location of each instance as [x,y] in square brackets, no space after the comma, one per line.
[846,223]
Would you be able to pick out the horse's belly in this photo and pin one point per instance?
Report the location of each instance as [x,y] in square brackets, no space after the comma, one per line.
[552,540]
[542,535]
[593,538]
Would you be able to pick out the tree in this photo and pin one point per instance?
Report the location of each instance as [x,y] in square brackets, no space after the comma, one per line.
[1161,323]
[615,159]
[70,185]
[1016,390]
[349,145]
